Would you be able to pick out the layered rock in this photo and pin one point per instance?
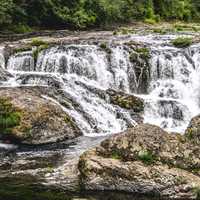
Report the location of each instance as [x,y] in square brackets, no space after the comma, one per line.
[146,160]
[28,117]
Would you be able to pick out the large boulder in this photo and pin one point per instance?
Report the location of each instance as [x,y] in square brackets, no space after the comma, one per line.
[145,160]
[28,117]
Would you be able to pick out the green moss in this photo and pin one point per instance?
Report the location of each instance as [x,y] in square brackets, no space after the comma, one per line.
[146,156]
[128,102]
[38,42]
[116,155]
[182,42]
[144,52]
[22,49]
[10,117]
[105,47]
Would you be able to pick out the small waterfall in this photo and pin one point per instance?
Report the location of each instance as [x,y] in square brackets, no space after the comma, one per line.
[174,95]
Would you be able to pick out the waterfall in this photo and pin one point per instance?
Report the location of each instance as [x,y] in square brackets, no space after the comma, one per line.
[84,72]
[174,92]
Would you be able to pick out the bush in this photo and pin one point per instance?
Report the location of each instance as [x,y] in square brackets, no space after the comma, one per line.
[146,157]
[10,117]
[182,42]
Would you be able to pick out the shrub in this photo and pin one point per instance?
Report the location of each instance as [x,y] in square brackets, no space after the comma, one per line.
[146,157]
[10,116]
[182,42]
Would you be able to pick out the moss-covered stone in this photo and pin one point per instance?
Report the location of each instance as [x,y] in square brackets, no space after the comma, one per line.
[143,52]
[182,42]
[31,119]
[126,101]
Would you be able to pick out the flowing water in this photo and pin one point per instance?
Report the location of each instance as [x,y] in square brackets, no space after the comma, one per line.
[172,91]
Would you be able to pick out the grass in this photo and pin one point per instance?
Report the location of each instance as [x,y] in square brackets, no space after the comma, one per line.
[10,117]
[146,157]
[38,42]
[182,42]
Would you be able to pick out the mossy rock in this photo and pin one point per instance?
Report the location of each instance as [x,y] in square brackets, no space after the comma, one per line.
[29,118]
[126,101]
[182,42]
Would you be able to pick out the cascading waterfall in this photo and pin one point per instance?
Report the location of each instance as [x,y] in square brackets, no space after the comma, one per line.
[84,71]
[174,93]
[75,69]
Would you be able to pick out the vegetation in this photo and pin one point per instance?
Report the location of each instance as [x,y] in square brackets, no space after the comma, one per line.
[146,157]
[22,15]
[10,116]
[182,42]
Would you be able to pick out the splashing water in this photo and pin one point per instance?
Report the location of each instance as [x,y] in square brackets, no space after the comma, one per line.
[84,72]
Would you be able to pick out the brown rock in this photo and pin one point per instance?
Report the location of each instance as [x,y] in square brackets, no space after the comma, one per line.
[41,120]
[146,160]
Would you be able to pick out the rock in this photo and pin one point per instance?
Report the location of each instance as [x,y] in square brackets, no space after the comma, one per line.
[28,117]
[145,160]
[126,101]
[193,130]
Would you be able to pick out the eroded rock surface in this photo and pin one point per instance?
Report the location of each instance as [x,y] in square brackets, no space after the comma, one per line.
[146,160]
[33,119]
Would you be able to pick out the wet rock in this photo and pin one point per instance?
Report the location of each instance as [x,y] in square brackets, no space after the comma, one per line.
[126,101]
[33,119]
[145,160]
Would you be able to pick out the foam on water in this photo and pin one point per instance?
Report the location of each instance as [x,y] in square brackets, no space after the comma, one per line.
[173,91]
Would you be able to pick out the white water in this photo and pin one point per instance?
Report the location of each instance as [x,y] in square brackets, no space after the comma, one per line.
[80,70]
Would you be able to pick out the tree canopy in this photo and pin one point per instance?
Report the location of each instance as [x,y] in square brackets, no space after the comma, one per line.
[22,14]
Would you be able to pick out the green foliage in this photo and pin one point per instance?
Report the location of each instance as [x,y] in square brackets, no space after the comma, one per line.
[146,157]
[116,155]
[182,42]
[143,52]
[20,15]
[38,42]
[10,117]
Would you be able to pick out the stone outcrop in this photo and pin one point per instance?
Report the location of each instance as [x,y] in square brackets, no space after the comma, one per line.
[145,160]
[28,117]
[193,130]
